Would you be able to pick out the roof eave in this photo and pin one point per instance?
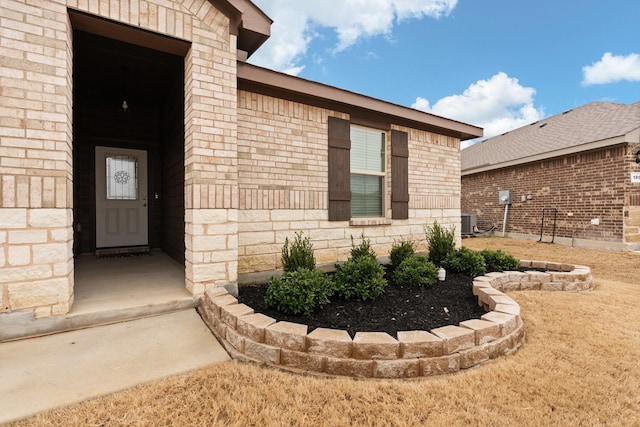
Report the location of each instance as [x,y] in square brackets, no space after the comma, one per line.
[621,139]
[254,78]
[248,22]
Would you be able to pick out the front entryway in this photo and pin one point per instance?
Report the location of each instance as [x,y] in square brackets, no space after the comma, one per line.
[128,178]
[128,148]
[121,198]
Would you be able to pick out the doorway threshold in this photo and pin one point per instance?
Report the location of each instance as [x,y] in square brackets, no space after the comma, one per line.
[121,252]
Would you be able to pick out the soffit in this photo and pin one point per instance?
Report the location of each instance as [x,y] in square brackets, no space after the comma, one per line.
[247,21]
[252,26]
[126,33]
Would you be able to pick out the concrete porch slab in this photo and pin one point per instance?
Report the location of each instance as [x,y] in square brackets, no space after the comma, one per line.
[110,290]
[58,370]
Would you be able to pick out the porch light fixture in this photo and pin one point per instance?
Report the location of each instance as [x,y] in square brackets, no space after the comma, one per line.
[638,156]
[125,105]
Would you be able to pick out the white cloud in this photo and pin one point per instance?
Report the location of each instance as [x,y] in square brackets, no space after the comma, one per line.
[498,104]
[296,21]
[612,68]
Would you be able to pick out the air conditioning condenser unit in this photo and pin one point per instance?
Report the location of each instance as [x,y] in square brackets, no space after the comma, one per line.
[469,223]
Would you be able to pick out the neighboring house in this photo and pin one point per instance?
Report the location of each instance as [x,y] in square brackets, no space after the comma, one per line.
[580,166]
[229,158]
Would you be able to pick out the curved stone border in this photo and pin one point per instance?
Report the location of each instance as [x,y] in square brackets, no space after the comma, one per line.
[255,337]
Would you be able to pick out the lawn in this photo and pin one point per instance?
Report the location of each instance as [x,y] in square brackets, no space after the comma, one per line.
[579,366]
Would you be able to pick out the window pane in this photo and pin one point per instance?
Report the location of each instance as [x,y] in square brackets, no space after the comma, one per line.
[122,177]
[367,149]
[366,195]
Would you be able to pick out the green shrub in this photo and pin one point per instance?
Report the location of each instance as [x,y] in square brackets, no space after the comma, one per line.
[466,261]
[499,261]
[441,242]
[361,277]
[299,292]
[364,249]
[416,271]
[400,250]
[299,255]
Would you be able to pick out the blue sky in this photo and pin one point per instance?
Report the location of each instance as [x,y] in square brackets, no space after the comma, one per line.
[499,64]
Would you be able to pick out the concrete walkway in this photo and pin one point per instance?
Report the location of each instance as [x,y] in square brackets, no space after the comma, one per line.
[57,370]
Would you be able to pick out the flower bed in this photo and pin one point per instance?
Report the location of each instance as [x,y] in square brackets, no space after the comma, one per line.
[255,337]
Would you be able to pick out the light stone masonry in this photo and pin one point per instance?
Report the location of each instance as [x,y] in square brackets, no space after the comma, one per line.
[474,356]
[282,164]
[36,158]
[330,342]
[486,331]
[507,322]
[295,359]
[374,354]
[263,352]
[455,338]
[229,313]
[399,368]
[291,336]
[253,326]
[440,365]
[419,344]
[375,345]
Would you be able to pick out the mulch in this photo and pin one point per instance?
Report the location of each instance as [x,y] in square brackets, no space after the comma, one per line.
[400,308]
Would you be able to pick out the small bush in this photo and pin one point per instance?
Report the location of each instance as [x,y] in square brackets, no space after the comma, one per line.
[299,292]
[299,255]
[416,271]
[499,261]
[466,261]
[441,242]
[401,250]
[364,249]
[361,277]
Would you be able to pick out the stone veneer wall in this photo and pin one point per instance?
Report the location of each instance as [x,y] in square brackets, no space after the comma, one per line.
[36,194]
[36,188]
[283,185]
[259,338]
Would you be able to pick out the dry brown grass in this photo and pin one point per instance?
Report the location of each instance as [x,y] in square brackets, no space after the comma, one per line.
[580,366]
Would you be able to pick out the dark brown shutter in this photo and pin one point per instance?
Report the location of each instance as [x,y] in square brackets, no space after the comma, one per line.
[399,175]
[339,169]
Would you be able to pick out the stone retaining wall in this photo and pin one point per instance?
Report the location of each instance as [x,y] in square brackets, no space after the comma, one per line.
[255,337]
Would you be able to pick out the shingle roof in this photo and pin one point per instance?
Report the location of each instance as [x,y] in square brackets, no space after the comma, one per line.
[594,122]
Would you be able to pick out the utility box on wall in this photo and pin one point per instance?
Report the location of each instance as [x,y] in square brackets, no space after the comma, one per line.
[504,197]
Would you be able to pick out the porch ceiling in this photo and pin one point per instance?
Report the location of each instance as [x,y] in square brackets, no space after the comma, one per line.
[110,70]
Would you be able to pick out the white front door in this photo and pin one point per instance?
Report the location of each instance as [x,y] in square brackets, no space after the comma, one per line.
[121,198]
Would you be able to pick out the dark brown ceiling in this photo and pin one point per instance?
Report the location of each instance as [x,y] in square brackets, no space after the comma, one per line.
[108,70]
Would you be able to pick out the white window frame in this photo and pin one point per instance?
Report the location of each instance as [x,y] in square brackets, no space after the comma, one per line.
[382,174]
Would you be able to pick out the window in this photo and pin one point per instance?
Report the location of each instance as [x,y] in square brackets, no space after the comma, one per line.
[367,160]
[357,175]
[122,177]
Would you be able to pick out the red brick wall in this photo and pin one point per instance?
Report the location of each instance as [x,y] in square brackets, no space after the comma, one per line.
[589,185]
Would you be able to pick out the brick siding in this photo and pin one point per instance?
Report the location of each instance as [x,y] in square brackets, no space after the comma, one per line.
[283,184]
[588,185]
[36,192]
[36,84]
[255,166]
